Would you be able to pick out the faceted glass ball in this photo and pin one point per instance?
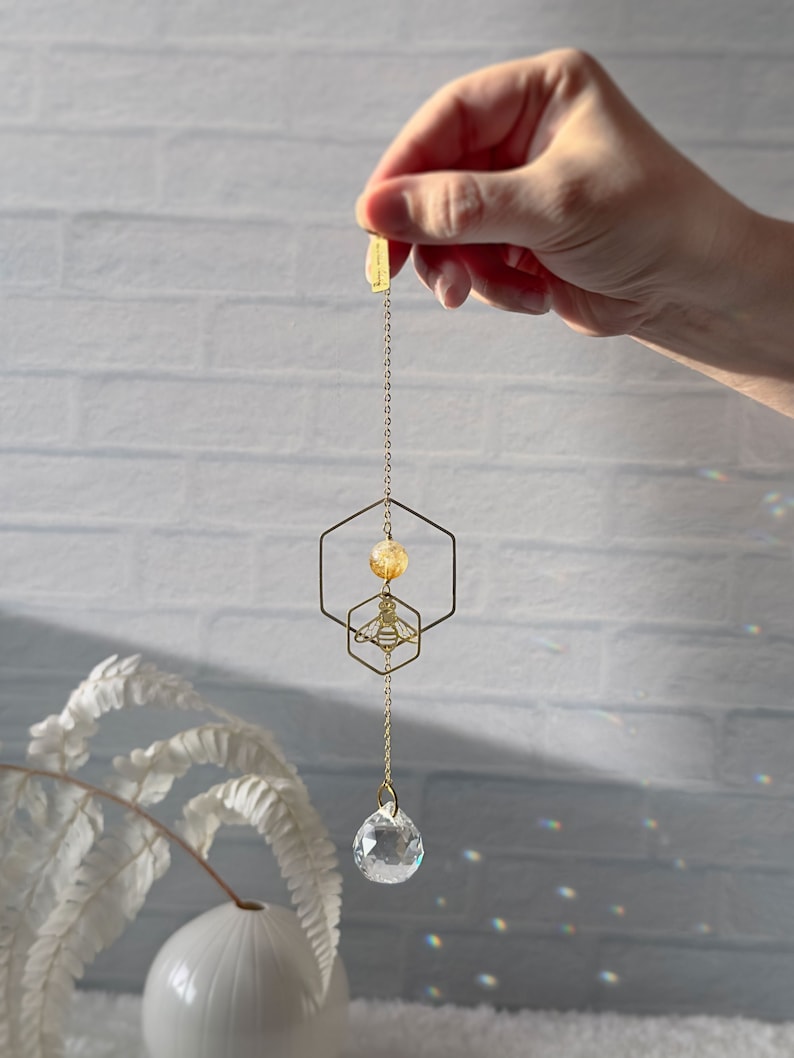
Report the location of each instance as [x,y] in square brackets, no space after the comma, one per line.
[388,849]
[388,559]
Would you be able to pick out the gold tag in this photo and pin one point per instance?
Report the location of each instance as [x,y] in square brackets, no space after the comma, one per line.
[379,264]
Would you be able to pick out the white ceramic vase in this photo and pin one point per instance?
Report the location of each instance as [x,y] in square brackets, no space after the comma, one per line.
[237,983]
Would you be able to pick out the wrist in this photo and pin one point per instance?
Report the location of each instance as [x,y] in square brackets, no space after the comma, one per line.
[731,313]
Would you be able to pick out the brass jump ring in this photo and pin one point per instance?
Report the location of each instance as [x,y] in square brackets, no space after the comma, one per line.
[386,787]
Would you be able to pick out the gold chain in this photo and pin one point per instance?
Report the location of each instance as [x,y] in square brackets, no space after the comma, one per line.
[387,415]
[387,517]
[387,722]
[380,276]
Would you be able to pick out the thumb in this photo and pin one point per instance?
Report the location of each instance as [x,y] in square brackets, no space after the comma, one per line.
[455,207]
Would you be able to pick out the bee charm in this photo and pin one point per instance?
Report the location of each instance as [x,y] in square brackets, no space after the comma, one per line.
[387,630]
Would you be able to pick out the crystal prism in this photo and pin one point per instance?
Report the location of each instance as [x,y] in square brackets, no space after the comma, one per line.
[388,848]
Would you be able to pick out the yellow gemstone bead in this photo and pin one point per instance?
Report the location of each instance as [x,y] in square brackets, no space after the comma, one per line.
[388,559]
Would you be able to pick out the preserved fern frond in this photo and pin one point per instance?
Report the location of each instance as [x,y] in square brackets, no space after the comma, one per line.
[67,890]
[20,792]
[31,880]
[21,795]
[60,742]
[280,812]
[147,775]
[270,797]
[15,1037]
[108,891]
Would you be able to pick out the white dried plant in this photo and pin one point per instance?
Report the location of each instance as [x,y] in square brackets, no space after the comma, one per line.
[69,885]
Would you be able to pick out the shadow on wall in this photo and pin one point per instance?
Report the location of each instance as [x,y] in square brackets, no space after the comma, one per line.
[545,884]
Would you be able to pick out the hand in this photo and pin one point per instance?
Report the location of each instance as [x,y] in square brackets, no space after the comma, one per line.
[535,184]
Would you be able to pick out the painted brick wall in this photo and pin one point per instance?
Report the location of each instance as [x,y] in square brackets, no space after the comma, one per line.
[599,747]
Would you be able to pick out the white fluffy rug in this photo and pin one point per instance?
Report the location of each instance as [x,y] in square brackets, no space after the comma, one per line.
[107,1027]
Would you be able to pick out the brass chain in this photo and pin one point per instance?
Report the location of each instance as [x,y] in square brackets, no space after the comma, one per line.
[387,721]
[387,414]
[387,518]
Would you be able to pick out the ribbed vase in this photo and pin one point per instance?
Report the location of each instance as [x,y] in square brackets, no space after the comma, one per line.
[237,983]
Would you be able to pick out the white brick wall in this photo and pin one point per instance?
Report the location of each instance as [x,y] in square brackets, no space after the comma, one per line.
[29,250]
[16,84]
[165,87]
[190,393]
[141,253]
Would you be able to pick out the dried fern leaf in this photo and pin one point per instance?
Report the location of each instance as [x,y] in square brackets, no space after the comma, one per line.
[36,867]
[147,775]
[108,891]
[113,879]
[60,742]
[287,820]
[279,809]
[19,793]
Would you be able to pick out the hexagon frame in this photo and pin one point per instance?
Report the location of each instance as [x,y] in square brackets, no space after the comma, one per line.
[413,513]
[392,668]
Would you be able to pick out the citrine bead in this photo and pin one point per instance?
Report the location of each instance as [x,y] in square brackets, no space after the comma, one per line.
[388,559]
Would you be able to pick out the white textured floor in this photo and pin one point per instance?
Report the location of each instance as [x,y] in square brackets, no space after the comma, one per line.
[107,1027]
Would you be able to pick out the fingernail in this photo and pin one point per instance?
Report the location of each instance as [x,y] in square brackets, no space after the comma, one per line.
[441,287]
[385,212]
[535,301]
[361,218]
[513,255]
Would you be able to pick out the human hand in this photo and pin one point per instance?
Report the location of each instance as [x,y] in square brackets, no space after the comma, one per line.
[535,184]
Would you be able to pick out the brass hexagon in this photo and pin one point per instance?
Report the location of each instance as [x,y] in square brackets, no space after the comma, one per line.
[415,514]
[354,631]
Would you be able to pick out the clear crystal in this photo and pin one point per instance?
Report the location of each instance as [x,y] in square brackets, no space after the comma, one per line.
[388,849]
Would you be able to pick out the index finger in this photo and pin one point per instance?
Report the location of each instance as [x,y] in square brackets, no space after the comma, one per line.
[495,107]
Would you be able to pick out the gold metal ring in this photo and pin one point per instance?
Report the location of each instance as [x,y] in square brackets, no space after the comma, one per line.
[386,787]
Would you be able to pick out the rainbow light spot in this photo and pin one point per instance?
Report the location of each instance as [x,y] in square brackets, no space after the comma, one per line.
[763,780]
[639,694]
[432,940]
[551,645]
[778,503]
[608,977]
[499,925]
[441,901]
[618,910]
[567,930]
[566,893]
[650,824]
[703,928]
[472,855]
[487,981]
[432,992]
[550,824]
[752,630]
[713,475]
[680,865]
[613,718]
